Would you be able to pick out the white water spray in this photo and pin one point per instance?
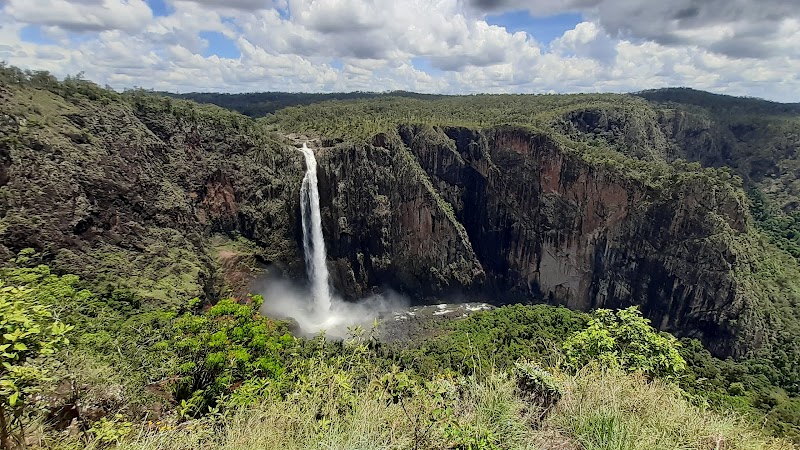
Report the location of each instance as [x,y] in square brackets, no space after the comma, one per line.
[321,310]
[313,241]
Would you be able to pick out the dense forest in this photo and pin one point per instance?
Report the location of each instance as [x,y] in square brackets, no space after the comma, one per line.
[259,104]
[135,226]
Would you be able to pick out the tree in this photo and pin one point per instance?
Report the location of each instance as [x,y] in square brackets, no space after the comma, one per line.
[626,340]
[28,332]
[222,348]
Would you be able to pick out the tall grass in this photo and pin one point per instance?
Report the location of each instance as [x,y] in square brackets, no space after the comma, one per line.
[613,410]
[336,409]
[485,412]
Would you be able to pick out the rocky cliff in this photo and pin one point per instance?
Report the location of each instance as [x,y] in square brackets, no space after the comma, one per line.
[130,191]
[126,194]
[513,216]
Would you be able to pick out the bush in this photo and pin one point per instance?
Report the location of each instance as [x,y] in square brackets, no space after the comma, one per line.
[625,340]
[28,332]
[219,350]
[538,387]
[111,431]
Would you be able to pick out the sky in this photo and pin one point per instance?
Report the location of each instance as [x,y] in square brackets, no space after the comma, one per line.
[737,47]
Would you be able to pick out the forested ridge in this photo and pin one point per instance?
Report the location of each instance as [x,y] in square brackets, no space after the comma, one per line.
[133,224]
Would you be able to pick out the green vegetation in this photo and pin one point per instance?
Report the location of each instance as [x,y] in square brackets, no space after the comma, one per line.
[27,331]
[228,345]
[363,119]
[782,228]
[625,340]
[751,388]
[497,379]
[258,104]
[615,410]
[558,337]
[720,103]
[124,190]
[496,339]
[604,408]
[135,203]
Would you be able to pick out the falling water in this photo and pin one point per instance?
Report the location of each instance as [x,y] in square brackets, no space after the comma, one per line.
[313,241]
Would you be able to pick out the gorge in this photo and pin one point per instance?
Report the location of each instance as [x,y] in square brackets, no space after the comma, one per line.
[179,237]
[576,203]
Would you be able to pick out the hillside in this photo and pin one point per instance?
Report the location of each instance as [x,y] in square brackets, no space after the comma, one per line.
[587,201]
[258,104]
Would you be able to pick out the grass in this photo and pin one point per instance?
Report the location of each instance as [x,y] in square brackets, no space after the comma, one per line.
[485,411]
[610,410]
[600,410]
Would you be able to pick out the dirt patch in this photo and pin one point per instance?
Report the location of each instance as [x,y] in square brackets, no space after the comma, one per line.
[238,269]
[549,439]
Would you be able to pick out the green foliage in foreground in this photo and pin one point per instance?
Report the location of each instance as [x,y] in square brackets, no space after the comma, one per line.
[28,332]
[496,339]
[228,345]
[113,341]
[335,406]
[498,379]
[745,387]
[625,340]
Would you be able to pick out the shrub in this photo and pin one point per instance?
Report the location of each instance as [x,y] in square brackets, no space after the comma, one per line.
[224,347]
[28,332]
[626,340]
[537,386]
[111,431]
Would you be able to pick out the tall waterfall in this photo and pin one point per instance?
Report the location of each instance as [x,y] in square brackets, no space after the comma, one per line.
[313,241]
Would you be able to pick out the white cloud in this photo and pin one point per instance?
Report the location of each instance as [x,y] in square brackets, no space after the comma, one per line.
[737,28]
[341,45]
[247,5]
[588,40]
[84,15]
[184,25]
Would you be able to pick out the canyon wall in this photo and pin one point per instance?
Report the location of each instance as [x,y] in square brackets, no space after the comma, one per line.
[541,224]
[127,193]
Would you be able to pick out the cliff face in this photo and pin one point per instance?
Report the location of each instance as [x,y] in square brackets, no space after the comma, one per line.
[540,224]
[386,226]
[127,192]
[758,142]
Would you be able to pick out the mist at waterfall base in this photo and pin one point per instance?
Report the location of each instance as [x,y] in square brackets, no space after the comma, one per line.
[285,299]
[315,308]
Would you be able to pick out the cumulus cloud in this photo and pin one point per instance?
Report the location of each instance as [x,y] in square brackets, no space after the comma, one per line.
[446,46]
[248,5]
[184,25]
[81,15]
[737,28]
[586,40]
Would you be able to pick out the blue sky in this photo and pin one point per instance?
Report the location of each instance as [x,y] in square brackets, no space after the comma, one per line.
[159,7]
[543,29]
[219,45]
[467,46]
[35,34]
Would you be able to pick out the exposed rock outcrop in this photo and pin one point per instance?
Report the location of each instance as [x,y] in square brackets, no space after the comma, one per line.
[541,225]
[127,193]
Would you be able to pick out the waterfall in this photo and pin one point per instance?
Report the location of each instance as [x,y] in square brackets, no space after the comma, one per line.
[313,241]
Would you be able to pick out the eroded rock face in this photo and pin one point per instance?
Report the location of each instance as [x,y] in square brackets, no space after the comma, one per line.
[127,194]
[540,224]
[132,191]
[386,226]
